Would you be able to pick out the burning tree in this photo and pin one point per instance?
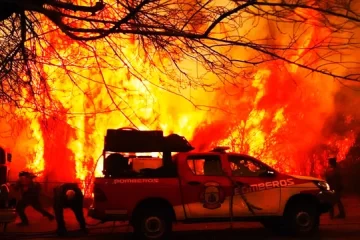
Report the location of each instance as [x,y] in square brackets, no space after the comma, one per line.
[92,65]
[206,31]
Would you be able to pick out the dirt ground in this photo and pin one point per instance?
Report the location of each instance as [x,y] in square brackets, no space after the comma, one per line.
[41,228]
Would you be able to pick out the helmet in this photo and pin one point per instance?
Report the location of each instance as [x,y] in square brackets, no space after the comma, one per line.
[70,194]
[26,174]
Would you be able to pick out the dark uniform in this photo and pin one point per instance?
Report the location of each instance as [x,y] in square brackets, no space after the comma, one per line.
[30,196]
[333,177]
[62,201]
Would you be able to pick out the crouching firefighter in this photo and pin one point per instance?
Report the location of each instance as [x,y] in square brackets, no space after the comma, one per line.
[30,196]
[70,196]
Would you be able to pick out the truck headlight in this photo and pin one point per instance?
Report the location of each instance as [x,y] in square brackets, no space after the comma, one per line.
[323,185]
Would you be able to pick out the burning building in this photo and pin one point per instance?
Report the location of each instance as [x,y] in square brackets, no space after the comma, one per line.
[279,109]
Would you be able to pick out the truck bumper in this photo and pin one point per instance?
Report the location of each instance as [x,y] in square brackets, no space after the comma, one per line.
[327,199]
[104,216]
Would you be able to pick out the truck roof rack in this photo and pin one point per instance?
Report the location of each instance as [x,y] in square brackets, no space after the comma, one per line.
[133,140]
[220,149]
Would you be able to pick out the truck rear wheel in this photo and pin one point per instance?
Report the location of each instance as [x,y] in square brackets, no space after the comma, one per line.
[302,219]
[152,224]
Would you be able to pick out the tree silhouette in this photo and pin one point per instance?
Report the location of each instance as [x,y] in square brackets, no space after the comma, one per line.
[205,31]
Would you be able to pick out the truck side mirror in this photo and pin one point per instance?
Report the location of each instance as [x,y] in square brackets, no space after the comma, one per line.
[270,173]
[267,173]
[9,157]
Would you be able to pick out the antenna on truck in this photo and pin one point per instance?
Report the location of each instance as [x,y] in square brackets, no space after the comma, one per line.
[220,149]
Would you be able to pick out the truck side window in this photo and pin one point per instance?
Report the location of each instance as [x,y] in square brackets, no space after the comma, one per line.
[245,167]
[203,165]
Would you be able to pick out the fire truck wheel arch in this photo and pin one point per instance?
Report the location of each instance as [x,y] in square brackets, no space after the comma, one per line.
[301,199]
[153,203]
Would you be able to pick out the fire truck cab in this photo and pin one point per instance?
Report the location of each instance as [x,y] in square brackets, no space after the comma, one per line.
[190,187]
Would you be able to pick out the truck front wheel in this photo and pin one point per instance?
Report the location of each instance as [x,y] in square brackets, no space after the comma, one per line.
[302,218]
[152,224]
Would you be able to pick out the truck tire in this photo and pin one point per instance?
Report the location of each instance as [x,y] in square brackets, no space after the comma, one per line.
[302,219]
[153,224]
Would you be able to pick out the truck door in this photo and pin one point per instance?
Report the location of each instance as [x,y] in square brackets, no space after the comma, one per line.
[205,187]
[258,192]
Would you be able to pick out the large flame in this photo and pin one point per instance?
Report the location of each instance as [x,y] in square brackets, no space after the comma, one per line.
[277,116]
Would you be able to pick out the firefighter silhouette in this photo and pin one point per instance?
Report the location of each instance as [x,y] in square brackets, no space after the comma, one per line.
[212,196]
[30,196]
[68,195]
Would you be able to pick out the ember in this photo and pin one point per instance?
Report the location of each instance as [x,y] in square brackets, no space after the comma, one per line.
[277,112]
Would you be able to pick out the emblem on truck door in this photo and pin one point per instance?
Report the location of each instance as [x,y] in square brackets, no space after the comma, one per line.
[212,196]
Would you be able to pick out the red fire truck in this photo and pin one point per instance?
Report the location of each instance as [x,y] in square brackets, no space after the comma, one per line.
[190,187]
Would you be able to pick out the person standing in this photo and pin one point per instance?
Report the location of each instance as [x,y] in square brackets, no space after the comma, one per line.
[68,195]
[333,177]
[30,196]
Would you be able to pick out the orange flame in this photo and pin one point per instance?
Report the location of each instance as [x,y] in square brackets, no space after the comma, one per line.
[277,118]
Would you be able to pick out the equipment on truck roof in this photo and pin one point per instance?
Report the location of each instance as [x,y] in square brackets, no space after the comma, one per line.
[125,142]
[133,140]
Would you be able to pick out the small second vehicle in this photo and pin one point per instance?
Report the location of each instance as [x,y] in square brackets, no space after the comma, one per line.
[7,205]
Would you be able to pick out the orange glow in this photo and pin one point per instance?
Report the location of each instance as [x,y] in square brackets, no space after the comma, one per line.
[278,116]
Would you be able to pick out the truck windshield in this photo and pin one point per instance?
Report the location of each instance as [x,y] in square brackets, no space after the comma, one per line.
[245,166]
